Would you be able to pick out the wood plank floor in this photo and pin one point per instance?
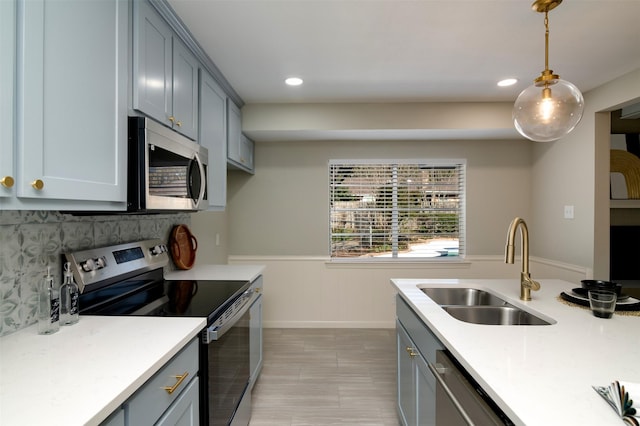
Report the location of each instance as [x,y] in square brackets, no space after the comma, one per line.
[318,377]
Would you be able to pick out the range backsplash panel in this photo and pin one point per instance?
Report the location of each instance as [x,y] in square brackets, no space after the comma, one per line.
[32,240]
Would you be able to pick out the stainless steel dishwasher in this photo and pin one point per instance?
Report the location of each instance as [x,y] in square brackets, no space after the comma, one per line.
[459,401]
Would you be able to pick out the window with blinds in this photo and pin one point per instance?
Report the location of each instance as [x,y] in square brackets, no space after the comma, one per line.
[397,208]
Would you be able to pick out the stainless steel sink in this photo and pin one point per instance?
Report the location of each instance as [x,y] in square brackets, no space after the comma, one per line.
[494,315]
[462,296]
[480,307]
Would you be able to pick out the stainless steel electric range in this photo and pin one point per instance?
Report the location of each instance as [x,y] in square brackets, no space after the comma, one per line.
[127,279]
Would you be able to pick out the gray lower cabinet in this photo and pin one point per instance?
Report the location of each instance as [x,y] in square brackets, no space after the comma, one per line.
[170,397]
[213,136]
[165,72]
[69,146]
[416,384]
[117,418]
[255,333]
[185,410]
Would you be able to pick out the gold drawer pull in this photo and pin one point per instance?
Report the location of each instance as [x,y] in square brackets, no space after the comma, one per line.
[7,181]
[37,184]
[411,352]
[172,389]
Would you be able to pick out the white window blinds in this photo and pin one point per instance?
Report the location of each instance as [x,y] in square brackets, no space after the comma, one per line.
[397,208]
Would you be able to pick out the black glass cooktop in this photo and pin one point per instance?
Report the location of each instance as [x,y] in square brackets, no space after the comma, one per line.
[149,294]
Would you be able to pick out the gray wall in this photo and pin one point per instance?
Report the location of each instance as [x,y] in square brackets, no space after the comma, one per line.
[32,240]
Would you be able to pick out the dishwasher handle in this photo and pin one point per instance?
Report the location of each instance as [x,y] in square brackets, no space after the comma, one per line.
[438,369]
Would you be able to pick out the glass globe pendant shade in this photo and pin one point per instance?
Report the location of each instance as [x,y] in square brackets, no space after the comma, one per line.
[548,110]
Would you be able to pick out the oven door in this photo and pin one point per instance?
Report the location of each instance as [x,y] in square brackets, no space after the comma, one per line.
[225,368]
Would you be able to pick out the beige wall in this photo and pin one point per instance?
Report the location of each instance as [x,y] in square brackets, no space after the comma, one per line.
[575,171]
[283,209]
[212,232]
[279,216]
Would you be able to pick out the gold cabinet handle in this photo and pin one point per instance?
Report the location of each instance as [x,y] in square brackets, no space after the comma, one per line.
[7,181]
[172,389]
[172,119]
[411,352]
[37,184]
[179,123]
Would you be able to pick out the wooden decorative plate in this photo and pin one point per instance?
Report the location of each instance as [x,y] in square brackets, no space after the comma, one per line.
[183,246]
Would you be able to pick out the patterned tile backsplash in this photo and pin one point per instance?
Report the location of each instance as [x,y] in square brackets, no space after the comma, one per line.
[30,241]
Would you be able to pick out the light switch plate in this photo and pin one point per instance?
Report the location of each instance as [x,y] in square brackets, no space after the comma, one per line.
[568,212]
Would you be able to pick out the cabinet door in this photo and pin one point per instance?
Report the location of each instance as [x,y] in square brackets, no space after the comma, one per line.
[246,153]
[234,131]
[406,378]
[213,136]
[185,411]
[185,90]
[152,63]
[255,339]
[72,83]
[7,99]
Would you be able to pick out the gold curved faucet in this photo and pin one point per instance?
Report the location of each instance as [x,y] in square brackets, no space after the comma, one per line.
[526,283]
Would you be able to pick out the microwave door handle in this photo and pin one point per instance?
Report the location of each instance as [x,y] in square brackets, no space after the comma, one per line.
[203,177]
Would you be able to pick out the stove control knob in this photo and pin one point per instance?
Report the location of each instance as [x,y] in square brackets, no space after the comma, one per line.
[160,248]
[94,264]
[89,265]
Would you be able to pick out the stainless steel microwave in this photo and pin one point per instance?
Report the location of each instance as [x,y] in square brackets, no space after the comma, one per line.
[166,171]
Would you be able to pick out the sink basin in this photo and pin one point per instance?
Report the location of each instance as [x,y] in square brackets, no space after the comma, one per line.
[494,315]
[462,296]
[480,307]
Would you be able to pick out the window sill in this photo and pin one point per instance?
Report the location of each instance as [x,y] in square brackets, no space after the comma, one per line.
[413,263]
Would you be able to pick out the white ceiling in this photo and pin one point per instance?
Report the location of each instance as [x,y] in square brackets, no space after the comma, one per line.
[409,50]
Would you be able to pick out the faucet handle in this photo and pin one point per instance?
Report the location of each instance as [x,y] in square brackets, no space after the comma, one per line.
[528,282]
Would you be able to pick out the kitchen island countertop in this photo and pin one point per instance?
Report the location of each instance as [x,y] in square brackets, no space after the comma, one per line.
[82,373]
[538,375]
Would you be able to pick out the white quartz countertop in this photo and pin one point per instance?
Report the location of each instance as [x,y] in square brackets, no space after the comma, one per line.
[218,273]
[82,373]
[538,375]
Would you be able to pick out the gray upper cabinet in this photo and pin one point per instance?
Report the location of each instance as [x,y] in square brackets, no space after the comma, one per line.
[247,147]
[239,147]
[234,132]
[213,136]
[165,72]
[7,99]
[71,104]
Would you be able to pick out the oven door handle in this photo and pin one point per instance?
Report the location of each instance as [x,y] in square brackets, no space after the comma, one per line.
[215,332]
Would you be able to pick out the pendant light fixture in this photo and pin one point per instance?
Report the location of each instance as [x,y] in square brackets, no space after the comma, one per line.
[551,107]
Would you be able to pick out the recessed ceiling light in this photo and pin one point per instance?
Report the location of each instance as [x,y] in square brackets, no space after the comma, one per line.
[507,82]
[293,81]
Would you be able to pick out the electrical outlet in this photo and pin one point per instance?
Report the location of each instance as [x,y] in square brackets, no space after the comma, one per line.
[568,212]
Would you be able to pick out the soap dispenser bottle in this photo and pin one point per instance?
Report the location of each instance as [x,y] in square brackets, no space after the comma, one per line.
[48,306]
[69,294]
